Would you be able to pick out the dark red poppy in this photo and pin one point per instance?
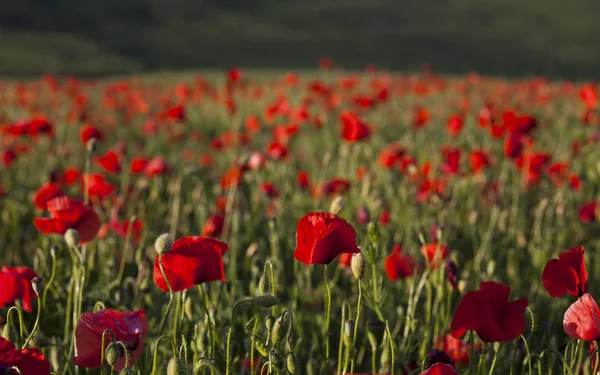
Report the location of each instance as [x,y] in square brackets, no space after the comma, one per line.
[488,312]
[322,236]
[109,162]
[454,125]
[213,226]
[302,180]
[421,117]
[45,193]
[582,319]
[567,274]
[97,186]
[157,166]
[451,160]
[129,327]
[8,157]
[587,212]
[16,285]
[336,186]
[269,190]
[191,261]
[440,369]
[434,253]
[175,113]
[513,146]
[88,132]
[399,265]
[138,165]
[40,125]
[29,361]
[66,213]
[385,217]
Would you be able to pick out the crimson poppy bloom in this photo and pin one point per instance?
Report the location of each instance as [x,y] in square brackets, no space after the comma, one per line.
[434,253]
[390,155]
[45,193]
[322,236]
[488,312]
[454,125]
[138,165]
[567,274]
[69,176]
[88,132]
[68,213]
[97,186]
[353,128]
[587,212]
[513,146]
[269,190]
[582,319]
[29,361]
[457,350]
[156,166]
[440,369]
[129,327]
[9,157]
[336,186]
[16,285]
[451,160]
[478,159]
[122,227]
[277,151]
[109,162]
[213,226]
[302,180]
[399,265]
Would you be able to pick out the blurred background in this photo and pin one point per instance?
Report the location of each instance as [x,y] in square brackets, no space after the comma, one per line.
[556,38]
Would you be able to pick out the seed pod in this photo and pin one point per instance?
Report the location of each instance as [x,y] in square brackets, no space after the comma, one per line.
[386,360]
[260,346]
[163,243]
[358,265]
[375,332]
[113,353]
[276,360]
[263,285]
[9,333]
[292,364]
[36,284]
[176,366]
[266,300]
[348,332]
[269,322]
[72,237]
[280,328]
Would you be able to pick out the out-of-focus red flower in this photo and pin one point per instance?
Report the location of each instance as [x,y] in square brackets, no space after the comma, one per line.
[138,164]
[277,151]
[176,114]
[232,177]
[589,96]
[234,75]
[390,155]
[128,327]
[97,186]
[69,176]
[109,162]
[29,361]
[156,167]
[302,180]
[384,218]
[421,117]
[345,260]
[488,312]
[269,190]
[513,146]
[451,158]
[567,274]
[122,227]
[457,350]
[582,319]
[88,132]
[255,161]
[587,212]
[45,193]
[434,253]
[213,226]
[362,215]
[191,261]
[440,369]
[353,128]
[8,157]
[66,213]
[322,236]
[399,265]
[479,159]
[336,186]
[454,125]
[16,285]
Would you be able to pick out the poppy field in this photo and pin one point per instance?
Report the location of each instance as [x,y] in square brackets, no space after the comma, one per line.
[323,222]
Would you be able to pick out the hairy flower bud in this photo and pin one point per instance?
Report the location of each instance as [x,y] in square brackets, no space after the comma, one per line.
[269,322]
[163,243]
[280,328]
[9,333]
[113,353]
[263,285]
[276,360]
[266,300]
[72,237]
[292,364]
[358,265]
[36,284]
[348,332]
[373,233]
[260,346]
[375,332]
[91,145]
[176,366]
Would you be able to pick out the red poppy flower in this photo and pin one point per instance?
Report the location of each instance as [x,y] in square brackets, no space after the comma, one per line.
[88,132]
[589,96]
[8,157]
[384,218]
[45,193]
[191,261]
[156,166]
[277,151]
[40,125]
[421,117]
[345,260]
[336,186]
[98,187]
[232,177]
[454,125]
[109,162]
[434,253]
[513,146]
[451,160]
[28,361]
[582,319]
[302,180]
[587,212]
[322,236]
[567,274]
[488,312]
[269,190]
[478,159]
[69,176]
[129,327]
[16,284]
[353,128]
[213,226]
[122,227]
[390,155]
[66,213]
[457,350]
[138,165]
[399,265]
[176,113]
[440,369]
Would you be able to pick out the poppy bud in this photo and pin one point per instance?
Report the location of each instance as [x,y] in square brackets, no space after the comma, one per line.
[375,332]
[113,353]
[438,356]
[36,284]
[337,205]
[8,332]
[452,273]
[358,265]
[260,346]
[269,322]
[176,366]
[266,300]
[91,145]
[292,364]
[386,360]
[276,360]
[280,329]
[163,243]
[72,237]
[373,233]
[53,251]
[263,285]
[348,332]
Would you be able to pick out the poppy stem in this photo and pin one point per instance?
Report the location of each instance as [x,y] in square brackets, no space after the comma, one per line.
[37,320]
[341,343]
[15,308]
[481,358]
[102,354]
[213,369]
[494,361]
[164,275]
[211,332]
[356,324]
[471,350]
[375,293]
[52,275]
[228,355]
[391,344]
[155,355]
[327,314]
[528,354]
[374,359]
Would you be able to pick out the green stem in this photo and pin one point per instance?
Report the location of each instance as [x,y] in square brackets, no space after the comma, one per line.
[15,308]
[37,321]
[327,314]
[211,334]
[494,361]
[228,355]
[164,319]
[481,358]
[155,355]
[52,277]
[391,344]
[528,354]
[356,325]
[374,359]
